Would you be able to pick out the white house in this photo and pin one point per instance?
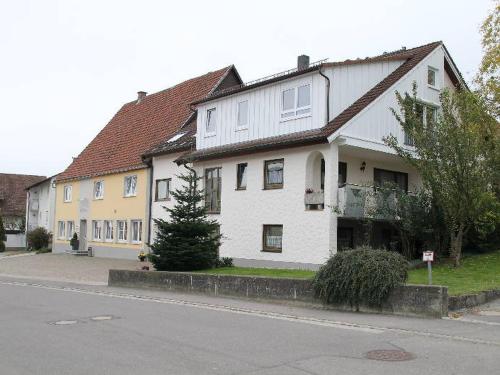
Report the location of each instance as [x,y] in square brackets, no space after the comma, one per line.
[41,205]
[285,160]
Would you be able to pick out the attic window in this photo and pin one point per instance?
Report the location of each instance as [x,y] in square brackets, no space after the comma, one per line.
[176,137]
[431,76]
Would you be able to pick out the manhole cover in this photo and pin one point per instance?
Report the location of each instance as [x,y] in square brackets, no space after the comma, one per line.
[389,355]
[103,317]
[65,322]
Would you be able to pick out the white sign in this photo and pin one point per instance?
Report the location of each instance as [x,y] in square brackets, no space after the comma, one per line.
[428,256]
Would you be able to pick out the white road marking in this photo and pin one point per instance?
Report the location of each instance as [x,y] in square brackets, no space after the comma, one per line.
[251,312]
[65,322]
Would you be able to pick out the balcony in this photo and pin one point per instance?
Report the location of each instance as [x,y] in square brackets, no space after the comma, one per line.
[314,200]
[358,202]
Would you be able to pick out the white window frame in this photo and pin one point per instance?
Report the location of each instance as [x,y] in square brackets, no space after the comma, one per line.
[296,108]
[94,238]
[245,125]
[435,85]
[132,222]
[101,196]
[129,194]
[61,229]
[125,231]
[67,193]
[213,110]
[69,234]
[407,140]
[106,239]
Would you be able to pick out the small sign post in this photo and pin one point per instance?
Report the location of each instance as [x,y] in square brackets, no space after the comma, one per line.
[428,256]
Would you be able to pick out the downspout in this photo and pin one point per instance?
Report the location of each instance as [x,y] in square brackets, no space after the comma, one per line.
[327,95]
[149,163]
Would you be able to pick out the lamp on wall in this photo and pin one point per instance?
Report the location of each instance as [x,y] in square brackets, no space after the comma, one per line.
[363,166]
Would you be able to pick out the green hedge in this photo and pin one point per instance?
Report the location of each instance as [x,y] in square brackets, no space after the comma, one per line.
[361,276]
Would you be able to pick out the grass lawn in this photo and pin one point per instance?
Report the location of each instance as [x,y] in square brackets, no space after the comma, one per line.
[269,272]
[477,273]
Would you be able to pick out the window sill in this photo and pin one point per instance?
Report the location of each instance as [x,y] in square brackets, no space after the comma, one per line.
[295,117]
[241,189]
[130,196]
[213,212]
[67,201]
[433,87]
[271,251]
[238,129]
[99,199]
[273,187]
[163,200]
[209,135]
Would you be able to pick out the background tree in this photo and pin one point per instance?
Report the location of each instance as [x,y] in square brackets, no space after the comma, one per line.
[457,156]
[411,215]
[487,78]
[188,240]
[3,236]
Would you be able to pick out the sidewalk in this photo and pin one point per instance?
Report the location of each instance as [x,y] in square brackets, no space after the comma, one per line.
[63,267]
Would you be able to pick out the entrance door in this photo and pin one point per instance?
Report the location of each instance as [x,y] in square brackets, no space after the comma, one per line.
[83,235]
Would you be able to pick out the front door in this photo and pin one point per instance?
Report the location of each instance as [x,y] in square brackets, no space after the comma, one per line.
[83,235]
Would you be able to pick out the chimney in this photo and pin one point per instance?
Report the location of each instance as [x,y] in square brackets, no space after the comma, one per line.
[141,95]
[302,62]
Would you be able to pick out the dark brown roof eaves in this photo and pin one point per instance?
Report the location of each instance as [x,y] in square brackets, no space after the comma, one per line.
[303,138]
[415,57]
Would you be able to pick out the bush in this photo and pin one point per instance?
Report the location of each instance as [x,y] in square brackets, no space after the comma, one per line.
[3,236]
[224,262]
[361,276]
[38,238]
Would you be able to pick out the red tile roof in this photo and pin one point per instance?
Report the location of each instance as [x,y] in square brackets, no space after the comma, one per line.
[13,193]
[137,127]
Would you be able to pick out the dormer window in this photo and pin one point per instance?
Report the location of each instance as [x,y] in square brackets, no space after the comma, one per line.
[296,102]
[211,121]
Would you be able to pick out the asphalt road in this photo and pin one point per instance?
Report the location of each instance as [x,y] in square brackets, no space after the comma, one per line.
[55,328]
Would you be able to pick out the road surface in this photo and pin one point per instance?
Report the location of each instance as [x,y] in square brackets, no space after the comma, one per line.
[60,328]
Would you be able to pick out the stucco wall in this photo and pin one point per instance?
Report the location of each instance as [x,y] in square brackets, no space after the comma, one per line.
[114,206]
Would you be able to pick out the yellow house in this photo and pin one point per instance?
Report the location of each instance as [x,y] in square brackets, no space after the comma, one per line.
[104,196]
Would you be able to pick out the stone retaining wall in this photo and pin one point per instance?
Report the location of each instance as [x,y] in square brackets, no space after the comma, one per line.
[410,300]
[471,300]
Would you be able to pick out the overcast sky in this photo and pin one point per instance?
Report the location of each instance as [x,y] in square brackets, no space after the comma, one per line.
[67,66]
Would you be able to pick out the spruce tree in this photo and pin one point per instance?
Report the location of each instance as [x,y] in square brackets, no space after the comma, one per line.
[188,240]
[3,237]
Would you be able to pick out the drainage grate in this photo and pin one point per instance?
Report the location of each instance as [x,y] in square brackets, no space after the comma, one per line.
[389,355]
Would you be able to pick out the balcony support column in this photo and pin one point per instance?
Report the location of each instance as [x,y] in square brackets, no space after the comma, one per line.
[331,198]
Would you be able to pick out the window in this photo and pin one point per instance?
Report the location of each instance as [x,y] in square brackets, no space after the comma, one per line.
[345,238]
[163,189]
[99,189]
[426,114]
[213,189]
[272,238]
[130,186]
[61,229]
[382,176]
[211,121]
[431,76]
[241,176]
[296,101]
[243,114]
[273,174]
[342,173]
[122,230]
[70,229]
[136,231]
[322,170]
[68,189]
[96,230]
[108,230]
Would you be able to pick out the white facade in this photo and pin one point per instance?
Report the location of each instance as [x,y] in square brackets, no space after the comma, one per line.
[40,205]
[309,235]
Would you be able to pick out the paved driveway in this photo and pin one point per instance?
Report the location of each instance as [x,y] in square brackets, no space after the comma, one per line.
[63,267]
